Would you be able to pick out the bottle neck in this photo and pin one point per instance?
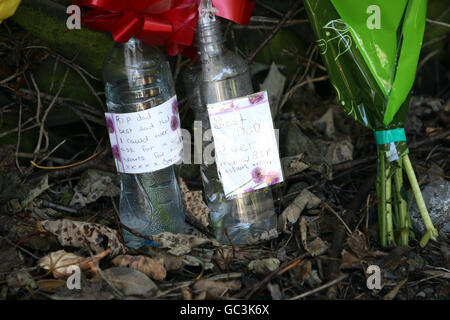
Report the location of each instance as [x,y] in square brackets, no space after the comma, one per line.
[209,35]
[133,51]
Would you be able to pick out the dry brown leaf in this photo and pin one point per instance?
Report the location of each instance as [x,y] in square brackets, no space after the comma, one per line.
[82,234]
[20,279]
[291,214]
[50,285]
[152,268]
[357,243]
[317,247]
[394,258]
[196,208]
[170,261]
[93,185]
[263,236]
[217,288]
[275,291]
[293,164]
[130,281]
[303,232]
[201,296]
[223,257]
[180,244]
[264,266]
[200,257]
[186,292]
[60,261]
[303,271]
[349,261]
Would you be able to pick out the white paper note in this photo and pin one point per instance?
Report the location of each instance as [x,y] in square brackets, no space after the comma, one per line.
[245,144]
[148,140]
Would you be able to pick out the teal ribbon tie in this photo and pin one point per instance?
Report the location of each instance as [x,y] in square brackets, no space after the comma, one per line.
[388,136]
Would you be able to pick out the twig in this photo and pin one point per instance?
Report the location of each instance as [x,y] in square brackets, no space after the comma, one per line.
[47,111]
[292,88]
[301,84]
[83,106]
[39,156]
[39,102]
[59,207]
[439,23]
[83,119]
[19,131]
[64,60]
[94,93]
[6,133]
[261,4]
[275,30]
[68,165]
[427,58]
[117,218]
[134,232]
[94,162]
[279,271]
[116,291]
[19,247]
[51,151]
[55,67]
[337,216]
[429,140]
[12,77]
[347,165]
[326,285]
[339,233]
[205,230]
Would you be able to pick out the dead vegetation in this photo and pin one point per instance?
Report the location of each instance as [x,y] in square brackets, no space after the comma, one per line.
[59,189]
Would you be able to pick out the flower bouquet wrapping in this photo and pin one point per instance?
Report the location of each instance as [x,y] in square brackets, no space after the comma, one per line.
[371,49]
[8,8]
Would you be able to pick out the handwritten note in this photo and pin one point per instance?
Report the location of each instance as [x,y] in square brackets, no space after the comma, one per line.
[247,155]
[148,140]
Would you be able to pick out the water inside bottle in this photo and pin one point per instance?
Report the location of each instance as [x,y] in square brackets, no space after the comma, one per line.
[150,203]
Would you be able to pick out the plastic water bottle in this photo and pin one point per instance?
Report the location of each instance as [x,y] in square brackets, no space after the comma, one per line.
[138,77]
[223,75]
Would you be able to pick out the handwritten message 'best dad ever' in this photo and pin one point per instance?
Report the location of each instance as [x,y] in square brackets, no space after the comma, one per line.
[148,140]
[247,155]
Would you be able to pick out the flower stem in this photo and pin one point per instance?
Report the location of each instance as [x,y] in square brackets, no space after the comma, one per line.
[389,221]
[431,231]
[381,192]
[403,221]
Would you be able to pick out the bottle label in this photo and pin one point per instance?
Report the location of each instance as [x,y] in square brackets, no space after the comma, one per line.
[148,140]
[246,147]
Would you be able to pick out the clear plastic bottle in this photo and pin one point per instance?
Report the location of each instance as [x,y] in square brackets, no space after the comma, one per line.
[221,76]
[138,77]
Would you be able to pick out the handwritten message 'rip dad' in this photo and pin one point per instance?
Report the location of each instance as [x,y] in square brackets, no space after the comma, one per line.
[148,140]
[247,155]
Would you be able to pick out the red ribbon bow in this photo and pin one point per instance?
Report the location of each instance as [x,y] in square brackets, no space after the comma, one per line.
[158,22]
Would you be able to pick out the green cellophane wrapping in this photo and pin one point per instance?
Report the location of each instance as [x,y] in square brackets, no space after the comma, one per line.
[371,49]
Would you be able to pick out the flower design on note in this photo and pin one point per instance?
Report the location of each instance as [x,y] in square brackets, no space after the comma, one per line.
[272,178]
[174,123]
[258,175]
[175,106]
[256,98]
[110,124]
[116,152]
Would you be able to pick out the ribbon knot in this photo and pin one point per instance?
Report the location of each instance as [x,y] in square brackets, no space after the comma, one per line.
[158,22]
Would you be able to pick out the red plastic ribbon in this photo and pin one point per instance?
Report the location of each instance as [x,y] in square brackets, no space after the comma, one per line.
[158,22]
